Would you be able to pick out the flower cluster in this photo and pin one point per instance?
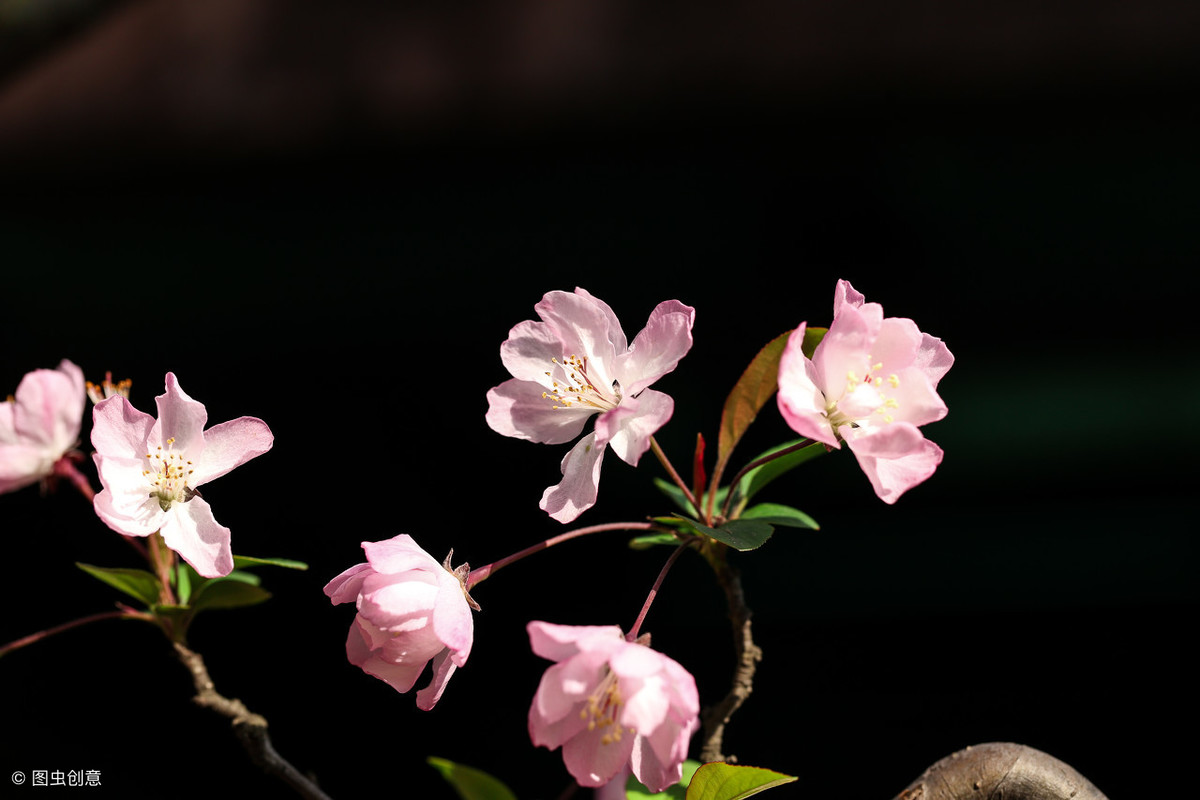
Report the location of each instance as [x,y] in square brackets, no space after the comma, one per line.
[608,702]
[576,363]
[40,424]
[152,471]
[411,610]
[871,382]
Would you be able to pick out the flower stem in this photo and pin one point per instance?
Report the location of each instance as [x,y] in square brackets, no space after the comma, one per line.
[637,624]
[484,572]
[24,641]
[758,462]
[670,468]
[65,468]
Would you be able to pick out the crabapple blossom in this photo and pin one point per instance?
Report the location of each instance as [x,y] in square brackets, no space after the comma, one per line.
[577,363]
[152,469]
[40,424]
[411,610]
[609,702]
[871,382]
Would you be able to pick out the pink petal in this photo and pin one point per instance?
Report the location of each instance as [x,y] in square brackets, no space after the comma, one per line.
[801,402]
[192,532]
[518,408]
[629,433]
[398,554]
[655,773]
[230,445]
[577,491]
[400,677]
[657,349]
[119,429]
[585,325]
[345,587]
[845,350]
[894,461]
[389,603]
[560,642]
[593,763]
[845,294]
[49,407]
[180,418]
[530,350]
[21,465]
[452,620]
[934,358]
[443,668]
[148,519]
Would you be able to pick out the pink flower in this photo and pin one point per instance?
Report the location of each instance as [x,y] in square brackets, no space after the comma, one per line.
[576,363]
[152,471]
[411,610]
[40,424]
[609,702]
[871,382]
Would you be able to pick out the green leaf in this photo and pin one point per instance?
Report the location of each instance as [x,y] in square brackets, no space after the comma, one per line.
[777,514]
[635,790]
[812,338]
[245,562]
[721,781]
[756,479]
[740,534]
[752,391]
[471,783]
[675,493]
[136,583]
[652,539]
[185,579]
[226,593]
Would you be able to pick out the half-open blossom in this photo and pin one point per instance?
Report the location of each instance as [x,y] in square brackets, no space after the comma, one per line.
[577,363]
[411,610]
[870,383]
[40,424]
[608,702]
[152,471]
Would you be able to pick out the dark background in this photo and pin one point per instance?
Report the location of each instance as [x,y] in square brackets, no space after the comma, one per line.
[330,220]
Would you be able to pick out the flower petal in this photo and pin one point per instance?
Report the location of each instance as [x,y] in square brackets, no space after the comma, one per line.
[345,587]
[119,429]
[560,642]
[230,445]
[586,326]
[895,458]
[49,407]
[191,531]
[180,418]
[398,554]
[628,427]
[934,358]
[657,349]
[522,410]
[576,492]
[443,668]
[801,402]
[591,761]
[452,620]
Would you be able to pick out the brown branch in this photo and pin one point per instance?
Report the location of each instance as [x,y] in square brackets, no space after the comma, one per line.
[251,728]
[748,655]
[1001,769]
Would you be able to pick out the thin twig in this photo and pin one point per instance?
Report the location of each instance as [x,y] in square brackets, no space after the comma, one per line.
[251,728]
